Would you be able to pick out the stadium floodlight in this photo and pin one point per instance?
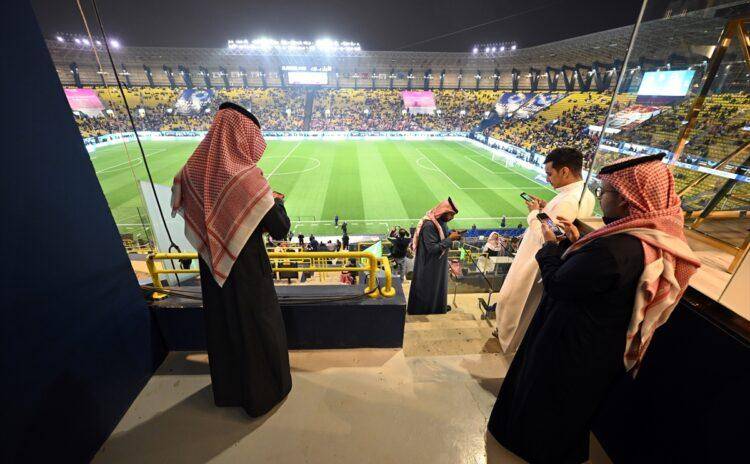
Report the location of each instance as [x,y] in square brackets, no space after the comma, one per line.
[86,42]
[326,45]
[486,49]
[475,50]
[494,49]
[502,48]
[114,43]
[98,43]
[60,39]
[513,47]
[77,40]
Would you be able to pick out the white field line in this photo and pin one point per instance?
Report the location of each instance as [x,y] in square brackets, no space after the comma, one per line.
[138,158]
[472,188]
[283,160]
[471,147]
[440,170]
[328,221]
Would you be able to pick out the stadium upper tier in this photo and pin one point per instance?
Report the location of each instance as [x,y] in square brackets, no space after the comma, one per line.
[568,64]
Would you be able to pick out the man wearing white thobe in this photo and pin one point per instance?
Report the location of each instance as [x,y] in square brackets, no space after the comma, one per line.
[522,289]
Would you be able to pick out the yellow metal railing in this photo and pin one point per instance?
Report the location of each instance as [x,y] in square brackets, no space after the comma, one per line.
[312,261]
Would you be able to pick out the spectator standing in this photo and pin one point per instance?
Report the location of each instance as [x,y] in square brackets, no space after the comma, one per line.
[398,252]
[345,242]
[521,291]
[245,334]
[428,293]
[604,296]
[502,222]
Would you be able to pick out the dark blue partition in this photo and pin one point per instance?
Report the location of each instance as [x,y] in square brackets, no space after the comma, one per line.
[77,340]
[689,400]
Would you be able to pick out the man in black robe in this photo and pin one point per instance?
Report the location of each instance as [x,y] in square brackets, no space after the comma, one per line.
[227,205]
[575,347]
[245,332]
[428,293]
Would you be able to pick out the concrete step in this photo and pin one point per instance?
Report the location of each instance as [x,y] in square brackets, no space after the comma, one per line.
[443,324]
[451,316]
[471,333]
[448,347]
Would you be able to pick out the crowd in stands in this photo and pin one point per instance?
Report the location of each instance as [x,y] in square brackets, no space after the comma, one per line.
[719,129]
[153,110]
[563,124]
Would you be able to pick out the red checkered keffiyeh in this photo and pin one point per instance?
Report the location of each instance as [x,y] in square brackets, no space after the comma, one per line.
[221,191]
[445,206]
[656,219]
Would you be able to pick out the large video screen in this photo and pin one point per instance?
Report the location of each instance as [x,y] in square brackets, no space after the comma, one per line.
[307,77]
[666,83]
[84,100]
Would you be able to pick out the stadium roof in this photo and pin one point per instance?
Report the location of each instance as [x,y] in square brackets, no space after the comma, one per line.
[685,36]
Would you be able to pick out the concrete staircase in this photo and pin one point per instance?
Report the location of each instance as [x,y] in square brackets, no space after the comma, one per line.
[454,333]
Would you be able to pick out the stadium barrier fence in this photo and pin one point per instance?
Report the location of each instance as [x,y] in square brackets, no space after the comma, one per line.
[312,261]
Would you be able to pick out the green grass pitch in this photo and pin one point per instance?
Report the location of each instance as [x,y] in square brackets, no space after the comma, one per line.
[373,185]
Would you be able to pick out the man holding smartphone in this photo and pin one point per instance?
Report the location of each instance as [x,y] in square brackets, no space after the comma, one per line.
[521,290]
[428,293]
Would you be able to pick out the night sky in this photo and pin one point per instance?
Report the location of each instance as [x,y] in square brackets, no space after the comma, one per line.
[376,24]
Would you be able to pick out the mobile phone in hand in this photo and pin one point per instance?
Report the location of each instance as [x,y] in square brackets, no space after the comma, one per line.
[546,219]
[526,196]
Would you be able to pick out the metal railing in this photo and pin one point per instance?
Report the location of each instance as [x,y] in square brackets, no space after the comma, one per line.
[311,261]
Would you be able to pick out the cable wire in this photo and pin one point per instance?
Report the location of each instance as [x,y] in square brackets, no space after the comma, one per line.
[172,244]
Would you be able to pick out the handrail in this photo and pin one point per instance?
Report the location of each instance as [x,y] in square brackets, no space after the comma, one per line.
[313,256]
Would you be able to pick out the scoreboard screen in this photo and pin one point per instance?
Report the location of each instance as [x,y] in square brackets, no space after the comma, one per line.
[307,77]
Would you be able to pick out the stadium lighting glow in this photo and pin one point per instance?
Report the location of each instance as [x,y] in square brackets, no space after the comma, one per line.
[475,50]
[513,47]
[114,43]
[85,42]
[266,44]
[494,49]
[326,45]
[98,43]
[486,49]
[60,39]
[502,48]
[77,40]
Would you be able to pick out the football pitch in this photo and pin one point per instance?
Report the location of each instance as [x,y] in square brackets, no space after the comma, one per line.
[373,185]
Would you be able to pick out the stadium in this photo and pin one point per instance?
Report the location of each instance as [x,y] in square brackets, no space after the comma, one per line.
[363,143]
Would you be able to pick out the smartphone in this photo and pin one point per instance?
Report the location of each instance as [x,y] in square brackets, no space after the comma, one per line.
[526,196]
[557,230]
